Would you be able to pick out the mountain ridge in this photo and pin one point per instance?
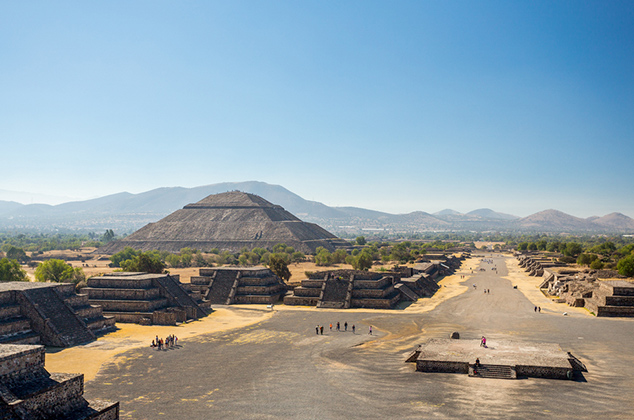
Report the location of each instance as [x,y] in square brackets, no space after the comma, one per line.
[126,212]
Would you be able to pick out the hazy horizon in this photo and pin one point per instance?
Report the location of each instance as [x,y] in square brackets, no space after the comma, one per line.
[418,105]
[28,198]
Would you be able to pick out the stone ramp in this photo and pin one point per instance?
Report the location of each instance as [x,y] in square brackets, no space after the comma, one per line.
[220,287]
[62,326]
[172,288]
[334,293]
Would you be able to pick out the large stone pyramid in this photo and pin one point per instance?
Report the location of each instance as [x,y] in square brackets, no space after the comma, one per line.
[228,221]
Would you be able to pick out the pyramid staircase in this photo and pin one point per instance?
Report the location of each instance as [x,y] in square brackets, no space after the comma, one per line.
[221,286]
[61,324]
[334,293]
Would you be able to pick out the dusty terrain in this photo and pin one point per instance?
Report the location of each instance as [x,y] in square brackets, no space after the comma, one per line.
[277,367]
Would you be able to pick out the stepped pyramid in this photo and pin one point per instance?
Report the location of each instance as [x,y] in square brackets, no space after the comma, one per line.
[48,313]
[228,221]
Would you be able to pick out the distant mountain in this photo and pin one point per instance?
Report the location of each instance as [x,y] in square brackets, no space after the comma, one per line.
[555,220]
[616,221]
[125,212]
[27,197]
[447,212]
[490,214]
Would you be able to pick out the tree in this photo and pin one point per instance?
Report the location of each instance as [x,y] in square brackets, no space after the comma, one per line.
[15,253]
[586,259]
[596,264]
[626,266]
[57,271]
[10,270]
[279,266]
[360,240]
[108,236]
[126,254]
[145,262]
[363,261]
[323,257]
[573,249]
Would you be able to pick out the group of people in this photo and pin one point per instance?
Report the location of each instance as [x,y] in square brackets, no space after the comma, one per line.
[163,344]
[538,308]
[319,329]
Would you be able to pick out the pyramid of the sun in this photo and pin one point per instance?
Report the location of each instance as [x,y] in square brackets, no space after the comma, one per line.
[228,221]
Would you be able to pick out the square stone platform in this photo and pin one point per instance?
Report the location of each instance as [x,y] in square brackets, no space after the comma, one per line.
[542,360]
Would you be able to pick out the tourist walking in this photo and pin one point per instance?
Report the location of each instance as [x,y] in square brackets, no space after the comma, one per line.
[317,330]
[331,326]
[353,328]
[321,330]
[345,326]
[338,327]
[370,331]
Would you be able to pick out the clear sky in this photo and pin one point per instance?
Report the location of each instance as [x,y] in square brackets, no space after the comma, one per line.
[518,106]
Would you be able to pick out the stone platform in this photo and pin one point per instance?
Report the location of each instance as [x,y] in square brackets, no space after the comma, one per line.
[29,392]
[513,358]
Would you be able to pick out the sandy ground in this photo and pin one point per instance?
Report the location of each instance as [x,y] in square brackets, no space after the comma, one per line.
[89,358]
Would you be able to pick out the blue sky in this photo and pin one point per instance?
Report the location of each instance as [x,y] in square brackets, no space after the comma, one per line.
[396,106]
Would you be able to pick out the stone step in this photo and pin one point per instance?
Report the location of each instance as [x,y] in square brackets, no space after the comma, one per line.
[9,311]
[493,372]
[23,337]
[220,288]
[15,325]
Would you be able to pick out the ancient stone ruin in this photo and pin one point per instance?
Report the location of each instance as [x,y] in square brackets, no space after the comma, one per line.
[29,392]
[365,289]
[502,359]
[48,313]
[231,285]
[584,288]
[228,221]
[342,289]
[144,298]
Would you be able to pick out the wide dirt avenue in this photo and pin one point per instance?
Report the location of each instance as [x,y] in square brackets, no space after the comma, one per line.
[277,367]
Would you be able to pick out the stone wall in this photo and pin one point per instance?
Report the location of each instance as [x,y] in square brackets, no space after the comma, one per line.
[30,392]
[29,358]
[442,366]
[547,372]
